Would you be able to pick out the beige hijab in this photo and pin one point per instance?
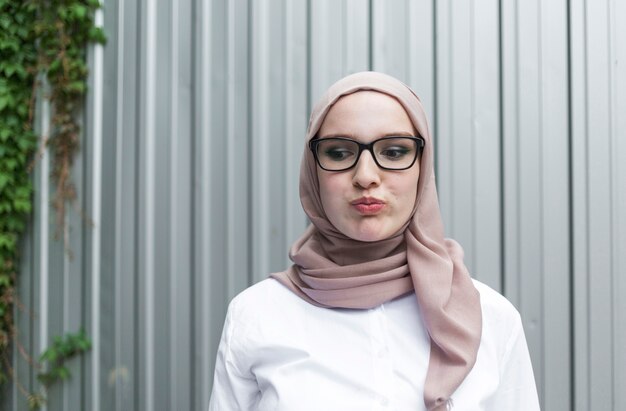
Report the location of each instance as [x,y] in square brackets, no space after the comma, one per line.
[332,270]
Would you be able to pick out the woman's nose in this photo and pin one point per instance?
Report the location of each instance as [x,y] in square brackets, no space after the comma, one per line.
[366,171]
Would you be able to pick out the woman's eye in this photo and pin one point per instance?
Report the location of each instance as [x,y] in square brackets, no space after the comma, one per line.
[338,154]
[394,153]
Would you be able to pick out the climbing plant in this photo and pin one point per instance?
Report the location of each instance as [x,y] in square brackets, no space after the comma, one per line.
[40,41]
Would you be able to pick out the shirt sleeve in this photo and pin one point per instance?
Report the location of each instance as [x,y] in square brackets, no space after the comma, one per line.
[232,388]
[517,390]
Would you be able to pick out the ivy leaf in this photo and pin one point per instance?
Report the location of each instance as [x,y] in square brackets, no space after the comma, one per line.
[48,355]
[84,344]
[79,10]
[9,70]
[4,179]
[25,144]
[5,133]
[5,21]
[97,35]
[22,110]
[5,280]
[54,66]
[7,241]
[77,87]
[10,164]
[22,206]
[63,373]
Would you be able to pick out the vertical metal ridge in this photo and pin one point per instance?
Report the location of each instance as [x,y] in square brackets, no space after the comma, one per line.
[435,88]
[203,198]
[174,378]
[98,96]
[284,98]
[287,122]
[587,198]
[149,192]
[449,27]
[192,210]
[518,222]
[230,136]
[344,37]
[472,116]
[370,40]
[65,284]
[503,212]
[293,134]
[541,193]
[261,169]
[580,216]
[309,58]
[44,206]
[138,125]
[249,242]
[572,279]
[119,132]
[612,197]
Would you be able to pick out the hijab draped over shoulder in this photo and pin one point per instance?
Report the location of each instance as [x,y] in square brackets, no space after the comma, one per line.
[333,270]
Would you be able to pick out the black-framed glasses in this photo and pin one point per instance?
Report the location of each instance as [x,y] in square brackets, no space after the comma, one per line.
[389,153]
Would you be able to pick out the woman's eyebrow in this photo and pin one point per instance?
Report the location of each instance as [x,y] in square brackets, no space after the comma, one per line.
[349,135]
[399,134]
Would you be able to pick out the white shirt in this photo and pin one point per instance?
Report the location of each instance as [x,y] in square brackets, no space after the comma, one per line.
[281,353]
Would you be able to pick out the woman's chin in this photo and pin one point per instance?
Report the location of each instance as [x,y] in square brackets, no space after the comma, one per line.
[368,234]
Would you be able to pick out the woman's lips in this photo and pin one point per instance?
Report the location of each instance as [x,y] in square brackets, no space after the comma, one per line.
[368,205]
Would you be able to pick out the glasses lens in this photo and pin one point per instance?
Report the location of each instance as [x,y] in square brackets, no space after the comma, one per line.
[396,152]
[336,154]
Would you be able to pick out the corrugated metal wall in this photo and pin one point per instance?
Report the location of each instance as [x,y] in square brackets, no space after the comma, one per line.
[188,177]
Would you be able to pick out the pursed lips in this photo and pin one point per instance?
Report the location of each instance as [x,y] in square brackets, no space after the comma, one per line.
[368,205]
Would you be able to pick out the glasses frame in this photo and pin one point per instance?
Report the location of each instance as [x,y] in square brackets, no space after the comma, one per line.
[419,141]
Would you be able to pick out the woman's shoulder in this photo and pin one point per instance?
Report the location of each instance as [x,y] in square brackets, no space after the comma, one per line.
[491,298]
[499,315]
[265,293]
[265,299]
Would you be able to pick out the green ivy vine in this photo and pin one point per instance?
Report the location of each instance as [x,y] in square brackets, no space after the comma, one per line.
[39,39]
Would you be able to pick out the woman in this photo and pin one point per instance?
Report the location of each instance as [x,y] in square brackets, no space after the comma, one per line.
[378,310]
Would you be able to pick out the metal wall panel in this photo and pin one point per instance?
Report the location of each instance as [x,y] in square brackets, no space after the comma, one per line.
[339,42]
[618,178]
[599,181]
[51,283]
[403,45]
[278,115]
[468,132]
[188,175]
[536,187]
[222,181]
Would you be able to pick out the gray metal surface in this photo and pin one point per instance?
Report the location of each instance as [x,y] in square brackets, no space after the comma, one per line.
[536,188]
[599,187]
[468,132]
[188,180]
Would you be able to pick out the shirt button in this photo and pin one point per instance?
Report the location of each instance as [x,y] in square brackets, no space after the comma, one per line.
[384,401]
[382,353]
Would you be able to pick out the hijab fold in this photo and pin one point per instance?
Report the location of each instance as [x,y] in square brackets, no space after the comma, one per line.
[333,270]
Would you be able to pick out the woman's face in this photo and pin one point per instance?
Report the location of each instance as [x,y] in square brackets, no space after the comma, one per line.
[366,116]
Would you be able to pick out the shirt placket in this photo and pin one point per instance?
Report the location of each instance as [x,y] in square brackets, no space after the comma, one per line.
[381,360]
